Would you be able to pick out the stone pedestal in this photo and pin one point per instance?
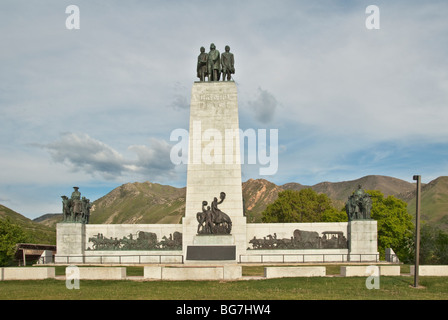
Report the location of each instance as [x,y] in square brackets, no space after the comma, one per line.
[214,163]
[214,240]
[71,242]
[363,240]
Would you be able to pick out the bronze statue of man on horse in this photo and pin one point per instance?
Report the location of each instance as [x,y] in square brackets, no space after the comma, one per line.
[75,208]
[212,220]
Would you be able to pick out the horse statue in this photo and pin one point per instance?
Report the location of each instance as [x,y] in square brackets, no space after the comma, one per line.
[76,210]
[66,208]
[205,219]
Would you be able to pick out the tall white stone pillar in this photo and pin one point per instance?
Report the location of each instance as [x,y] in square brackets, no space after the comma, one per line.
[214,167]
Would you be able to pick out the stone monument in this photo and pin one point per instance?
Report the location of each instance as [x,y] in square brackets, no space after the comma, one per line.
[362,230]
[70,235]
[216,231]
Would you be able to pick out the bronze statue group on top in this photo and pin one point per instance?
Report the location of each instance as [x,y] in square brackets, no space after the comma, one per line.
[212,64]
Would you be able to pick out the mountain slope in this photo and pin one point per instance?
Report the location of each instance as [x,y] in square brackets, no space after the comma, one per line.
[257,194]
[434,202]
[154,203]
[342,190]
[140,203]
[38,233]
[338,192]
[49,219]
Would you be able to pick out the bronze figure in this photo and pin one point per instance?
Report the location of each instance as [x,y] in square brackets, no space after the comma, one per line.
[202,65]
[228,64]
[213,64]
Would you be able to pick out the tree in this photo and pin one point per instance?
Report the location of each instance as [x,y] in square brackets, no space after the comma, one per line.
[433,245]
[395,225]
[302,206]
[10,235]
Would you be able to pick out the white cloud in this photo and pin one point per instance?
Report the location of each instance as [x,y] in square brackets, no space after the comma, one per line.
[310,69]
[153,161]
[80,152]
[264,106]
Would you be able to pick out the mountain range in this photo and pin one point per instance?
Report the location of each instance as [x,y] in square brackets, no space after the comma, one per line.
[148,202]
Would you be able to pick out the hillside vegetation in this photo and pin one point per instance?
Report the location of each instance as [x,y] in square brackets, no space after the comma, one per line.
[155,203]
[140,203]
[37,233]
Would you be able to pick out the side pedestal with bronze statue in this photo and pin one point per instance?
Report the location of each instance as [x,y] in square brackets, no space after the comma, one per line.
[362,230]
[71,233]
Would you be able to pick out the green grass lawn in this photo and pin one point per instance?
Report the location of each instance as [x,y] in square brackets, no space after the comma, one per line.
[325,288]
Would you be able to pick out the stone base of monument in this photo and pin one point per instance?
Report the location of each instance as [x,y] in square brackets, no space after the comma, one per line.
[363,240]
[226,272]
[71,241]
[214,240]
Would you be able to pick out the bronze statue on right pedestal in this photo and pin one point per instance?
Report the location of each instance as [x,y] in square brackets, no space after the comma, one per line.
[359,205]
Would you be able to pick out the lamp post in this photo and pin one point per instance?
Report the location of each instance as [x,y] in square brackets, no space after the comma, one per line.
[417,230]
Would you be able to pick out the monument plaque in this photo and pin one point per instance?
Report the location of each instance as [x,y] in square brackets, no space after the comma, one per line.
[200,253]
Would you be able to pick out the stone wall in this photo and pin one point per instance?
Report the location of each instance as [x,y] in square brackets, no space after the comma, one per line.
[274,242]
[75,243]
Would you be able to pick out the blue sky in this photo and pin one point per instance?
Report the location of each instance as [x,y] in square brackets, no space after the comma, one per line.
[95,107]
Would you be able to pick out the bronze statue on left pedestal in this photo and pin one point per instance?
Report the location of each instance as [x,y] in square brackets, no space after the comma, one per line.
[75,208]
